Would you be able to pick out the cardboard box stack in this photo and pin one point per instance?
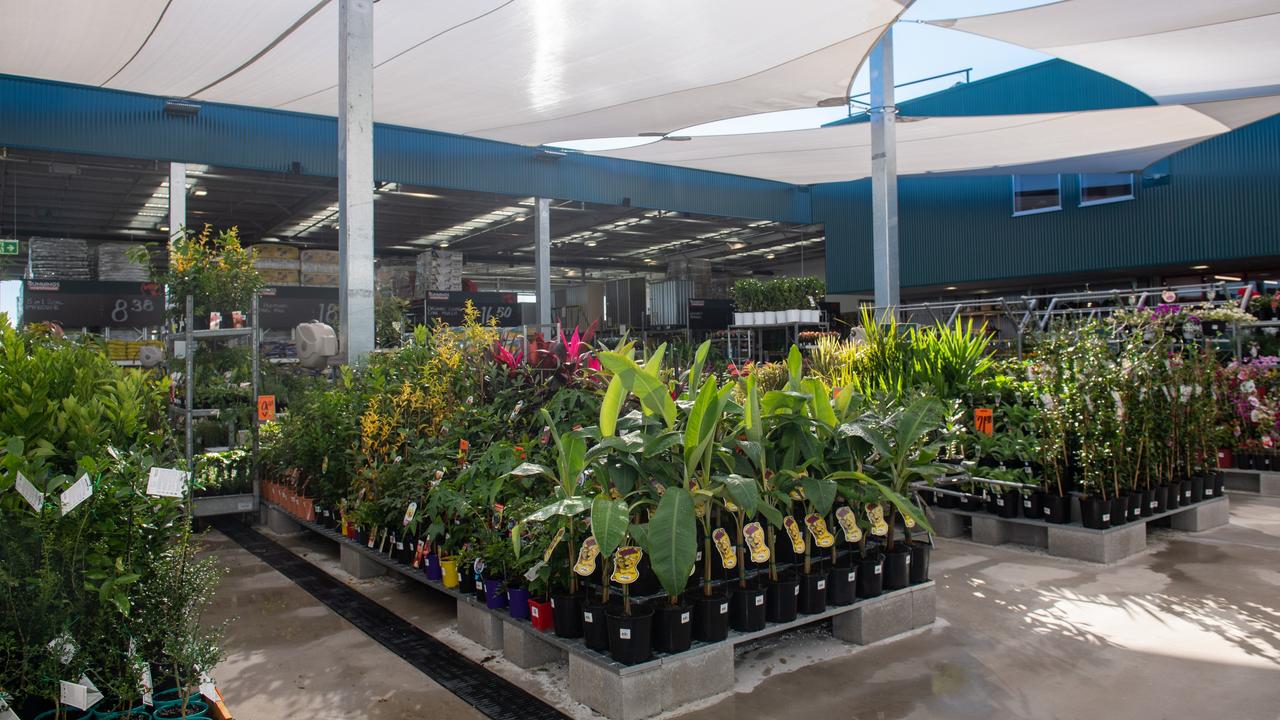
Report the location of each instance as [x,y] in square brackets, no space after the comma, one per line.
[396,276]
[278,264]
[320,268]
[439,270]
[114,263]
[58,259]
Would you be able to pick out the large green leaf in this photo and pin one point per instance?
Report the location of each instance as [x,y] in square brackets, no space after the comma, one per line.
[743,491]
[700,429]
[820,405]
[920,417]
[654,363]
[699,359]
[795,368]
[905,506]
[528,468]
[771,514]
[609,519]
[873,437]
[820,492]
[612,404]
[568,507]
[673,540]
[654,396]
[751,411]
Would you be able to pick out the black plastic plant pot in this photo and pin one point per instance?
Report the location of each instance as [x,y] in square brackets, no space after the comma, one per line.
[920,553]
[567,611]
[747,608]
[1007,503]
[971,503]
[1137,499]
[781,598]
[1219,484]
[1057,508]
[1165,494]
[1149,502]
[672,627]
[842,584]
[1184,493]
[813,594]
[361,537]
[711,617]
[1119,511]
[897,568]
[870,575]
[1095,513]
[1033,506]
[646,583]
[630,636]
[1197,488]
[595,626]
[949,502]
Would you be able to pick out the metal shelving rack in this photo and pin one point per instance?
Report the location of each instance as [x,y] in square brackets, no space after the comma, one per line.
[745,344]
[218,504]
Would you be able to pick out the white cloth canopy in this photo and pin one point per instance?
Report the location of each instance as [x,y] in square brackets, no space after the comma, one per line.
[527,71]
[1176,51]
[1121,140]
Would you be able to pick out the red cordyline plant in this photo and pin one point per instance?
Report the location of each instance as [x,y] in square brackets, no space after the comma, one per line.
[565,357]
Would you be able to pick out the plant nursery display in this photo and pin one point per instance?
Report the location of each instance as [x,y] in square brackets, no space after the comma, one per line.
[772,302]
[103,590]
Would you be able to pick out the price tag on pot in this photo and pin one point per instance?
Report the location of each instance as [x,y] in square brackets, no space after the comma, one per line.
[624,633]
[81,490]
[822,584]
[759,600]
[34,497]
[409,513]
[983,421]
[166,482]
[724,608]
[684,618]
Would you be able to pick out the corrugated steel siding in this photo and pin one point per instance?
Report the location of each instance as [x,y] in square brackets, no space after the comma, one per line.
[71,118]
[1222,201]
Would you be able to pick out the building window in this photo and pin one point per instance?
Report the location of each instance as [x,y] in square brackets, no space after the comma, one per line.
[1099,188]
[1036,194]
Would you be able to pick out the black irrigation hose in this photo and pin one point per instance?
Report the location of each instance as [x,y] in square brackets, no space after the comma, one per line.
[488,693]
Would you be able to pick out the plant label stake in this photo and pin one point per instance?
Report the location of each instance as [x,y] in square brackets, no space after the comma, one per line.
[6,712]
[587,558]
[409,513]
[793,531]
[983,421]
[626,565]
[754,535]
[166,482]
[266,408]
[849,523]
[728,554]
[76,494]
[34,498]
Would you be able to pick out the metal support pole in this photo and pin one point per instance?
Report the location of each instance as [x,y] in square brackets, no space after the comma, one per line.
[542,257]
[884,175]
[256,348]
[355,177]
[177,198]
[189,398]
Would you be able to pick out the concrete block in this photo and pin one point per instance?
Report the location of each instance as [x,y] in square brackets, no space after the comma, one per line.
[687,677]
[1093,546]
[279,523]
[924,605]
[1269,484]
[479,625]
[357,564]
[1027,534]
[526,648]
[602,688]
[875,620]
[990,530]
[1203,516]
[1246,480]
[946,524]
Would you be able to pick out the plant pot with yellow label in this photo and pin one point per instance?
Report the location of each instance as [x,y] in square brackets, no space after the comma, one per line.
[747,607]
[870,580]
[672,627]
[630,636]
[781,598]
[920,554]
[711,617]
[842,583]
[813,593]
[567,609]
[897,567]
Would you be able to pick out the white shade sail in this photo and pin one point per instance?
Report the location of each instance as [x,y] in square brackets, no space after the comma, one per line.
[527,71]
[1121,140]
[1176,51]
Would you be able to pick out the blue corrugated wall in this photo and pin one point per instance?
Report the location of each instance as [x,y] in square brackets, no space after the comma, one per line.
[72,118]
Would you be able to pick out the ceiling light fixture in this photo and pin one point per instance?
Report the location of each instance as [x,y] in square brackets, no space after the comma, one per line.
[590,243]
[200,193]
[1228,278]
[770,256]
[1199,267]
[443,244]
[952,287]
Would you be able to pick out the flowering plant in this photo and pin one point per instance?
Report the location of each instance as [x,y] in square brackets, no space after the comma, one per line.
[1252,389]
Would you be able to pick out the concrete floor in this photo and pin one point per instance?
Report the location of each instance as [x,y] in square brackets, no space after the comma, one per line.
[1189,629]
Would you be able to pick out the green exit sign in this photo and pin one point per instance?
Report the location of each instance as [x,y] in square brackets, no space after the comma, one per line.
[8,247]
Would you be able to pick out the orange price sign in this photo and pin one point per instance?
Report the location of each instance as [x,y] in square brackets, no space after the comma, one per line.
[266,408]
[983,421]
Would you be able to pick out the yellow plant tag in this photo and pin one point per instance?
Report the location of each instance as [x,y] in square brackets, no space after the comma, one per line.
[587,557]
[728,555]
[555,540]
[793,531]
[754,535]
[626,564]
[818,529]
[849,523]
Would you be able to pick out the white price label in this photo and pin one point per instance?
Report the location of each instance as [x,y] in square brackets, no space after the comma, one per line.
[76,494]
[822,584]
[684,618]
[73,694]
[907,560]
[797,590]
[853,576]
[724,608]
[586,617]
[34,497]
[877,569]
[624,633]
[1026,503]
[208,689]
[144,679]
[1046,511]
[759,600]
[533,610]
[167,482]
[1106,517]
[999,502]
[1154,504]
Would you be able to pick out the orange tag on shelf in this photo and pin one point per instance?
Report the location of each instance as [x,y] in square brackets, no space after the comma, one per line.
[983,421]
[266,408]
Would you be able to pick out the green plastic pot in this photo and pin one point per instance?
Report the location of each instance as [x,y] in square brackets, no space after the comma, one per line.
[196,710]
[70,714]
[142,712]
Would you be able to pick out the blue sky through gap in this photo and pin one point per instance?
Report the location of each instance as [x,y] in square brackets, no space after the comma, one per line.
[920,51]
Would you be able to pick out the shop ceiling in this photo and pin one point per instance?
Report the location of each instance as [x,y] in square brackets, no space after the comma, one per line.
[99,198]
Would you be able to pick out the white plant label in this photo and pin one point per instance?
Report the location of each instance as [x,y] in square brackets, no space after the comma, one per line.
[409,513]
[822,584]
[877,569]
[724,608]
[797,590]
[76,494]
[1106,517]
[34,497]
[759,600]
[532,574]
[6,712]
[684,618]
[586,617]
[852,576]
[208,689]
[907,560]
[533,611]
[1154,504]
[624,633]
[166,482]
[74,694]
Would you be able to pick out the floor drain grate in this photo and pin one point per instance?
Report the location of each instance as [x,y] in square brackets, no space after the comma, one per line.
[488,693]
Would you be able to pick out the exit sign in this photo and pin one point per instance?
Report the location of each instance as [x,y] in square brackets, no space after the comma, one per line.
[8,247]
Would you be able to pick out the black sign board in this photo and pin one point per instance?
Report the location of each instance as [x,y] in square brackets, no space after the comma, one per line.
[710,314]
[93,304]
[285,307]
[448,306]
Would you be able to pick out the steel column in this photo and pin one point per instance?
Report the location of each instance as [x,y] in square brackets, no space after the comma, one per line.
[177,198]
[542,257]
[355,177]
[884,175]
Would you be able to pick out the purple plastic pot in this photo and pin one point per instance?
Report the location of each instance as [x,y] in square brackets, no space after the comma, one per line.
[432,568]
[518,603]
[495,595]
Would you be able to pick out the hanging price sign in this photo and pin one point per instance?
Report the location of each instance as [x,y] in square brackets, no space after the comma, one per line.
[266,408]
[983,421]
